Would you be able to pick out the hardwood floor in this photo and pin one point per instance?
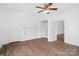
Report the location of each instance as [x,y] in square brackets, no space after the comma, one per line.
[39,47]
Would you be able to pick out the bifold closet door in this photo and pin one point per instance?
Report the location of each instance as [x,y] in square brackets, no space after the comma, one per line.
[44,29]
[51,31]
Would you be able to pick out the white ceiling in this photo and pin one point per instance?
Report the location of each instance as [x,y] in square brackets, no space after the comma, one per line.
[30,7]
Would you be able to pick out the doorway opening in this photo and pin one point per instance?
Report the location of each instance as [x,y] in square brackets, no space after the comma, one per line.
[60,30]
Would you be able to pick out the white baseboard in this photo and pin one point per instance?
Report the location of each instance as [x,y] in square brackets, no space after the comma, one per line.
[51,40]
[72,43]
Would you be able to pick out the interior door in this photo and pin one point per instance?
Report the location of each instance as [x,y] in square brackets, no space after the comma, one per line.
[44,29]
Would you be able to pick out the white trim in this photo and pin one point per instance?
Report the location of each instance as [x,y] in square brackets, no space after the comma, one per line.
[72,43]
[51,40]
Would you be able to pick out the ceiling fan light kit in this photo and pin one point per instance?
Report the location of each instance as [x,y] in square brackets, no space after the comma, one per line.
[46,12]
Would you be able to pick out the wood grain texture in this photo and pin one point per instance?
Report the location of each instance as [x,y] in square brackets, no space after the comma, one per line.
[39,47]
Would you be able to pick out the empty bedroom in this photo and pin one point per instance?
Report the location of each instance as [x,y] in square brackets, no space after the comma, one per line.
[39,29]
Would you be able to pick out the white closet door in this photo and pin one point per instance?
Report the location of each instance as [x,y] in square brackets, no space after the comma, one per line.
[44,29]
[51,31]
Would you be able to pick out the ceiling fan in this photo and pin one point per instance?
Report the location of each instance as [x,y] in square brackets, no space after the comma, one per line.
[46,8]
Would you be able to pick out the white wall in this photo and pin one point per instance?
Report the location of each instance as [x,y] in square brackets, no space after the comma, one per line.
[12,24]
[3,26]
[71,22]
[71,26]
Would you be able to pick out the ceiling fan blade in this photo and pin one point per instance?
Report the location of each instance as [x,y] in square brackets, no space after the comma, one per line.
[49,4]
[53,8]
[40,11]
[39,7]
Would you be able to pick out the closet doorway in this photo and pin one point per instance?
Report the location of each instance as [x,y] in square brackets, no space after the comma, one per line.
[60,30]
